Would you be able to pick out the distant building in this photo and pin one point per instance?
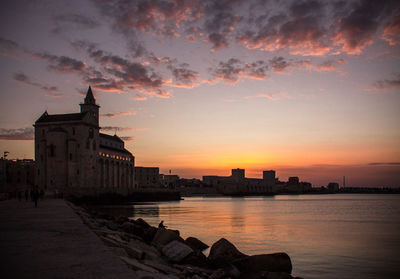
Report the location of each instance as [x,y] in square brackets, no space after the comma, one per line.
[238,174]
[269,177]
[169,180]
[333,187]
[147,177]
[294,186]
[72,155]
[16,174]
[238,184]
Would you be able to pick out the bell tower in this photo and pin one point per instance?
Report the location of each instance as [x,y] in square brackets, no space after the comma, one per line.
[89,106]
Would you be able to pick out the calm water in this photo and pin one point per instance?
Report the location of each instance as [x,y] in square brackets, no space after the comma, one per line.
[326,236]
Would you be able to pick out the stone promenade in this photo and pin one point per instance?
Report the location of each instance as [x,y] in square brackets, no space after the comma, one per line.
[51,241]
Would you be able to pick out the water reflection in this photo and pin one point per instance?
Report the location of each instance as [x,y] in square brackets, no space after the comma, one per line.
[340,236]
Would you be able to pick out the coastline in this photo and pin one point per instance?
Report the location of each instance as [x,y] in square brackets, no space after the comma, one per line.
[160,252]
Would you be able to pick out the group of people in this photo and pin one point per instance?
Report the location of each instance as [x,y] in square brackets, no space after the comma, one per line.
[34,194]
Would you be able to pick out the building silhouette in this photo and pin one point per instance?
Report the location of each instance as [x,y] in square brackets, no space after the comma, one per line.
[73,156]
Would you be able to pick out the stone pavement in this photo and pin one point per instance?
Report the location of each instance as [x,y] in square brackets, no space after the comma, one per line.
[51,241]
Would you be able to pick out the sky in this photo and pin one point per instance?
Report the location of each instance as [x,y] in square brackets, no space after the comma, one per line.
[307,88]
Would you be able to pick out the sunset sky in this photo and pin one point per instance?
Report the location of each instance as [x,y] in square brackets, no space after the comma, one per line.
[308,88]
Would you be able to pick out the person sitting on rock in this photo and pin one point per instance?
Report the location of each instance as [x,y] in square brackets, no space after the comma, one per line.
[161,225]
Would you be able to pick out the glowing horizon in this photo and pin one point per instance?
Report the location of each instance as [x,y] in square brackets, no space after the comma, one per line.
[307,88]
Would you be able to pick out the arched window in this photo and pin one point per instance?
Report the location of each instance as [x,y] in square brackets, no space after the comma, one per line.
[91,133]
[94,145]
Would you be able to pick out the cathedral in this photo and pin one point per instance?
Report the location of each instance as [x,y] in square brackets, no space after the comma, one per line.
[72,156]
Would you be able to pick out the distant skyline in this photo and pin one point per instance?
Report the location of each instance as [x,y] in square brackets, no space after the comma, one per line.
[307,88]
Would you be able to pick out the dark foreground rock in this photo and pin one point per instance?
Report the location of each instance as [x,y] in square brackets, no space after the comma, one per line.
[223,253]
[196,244]
[162,253]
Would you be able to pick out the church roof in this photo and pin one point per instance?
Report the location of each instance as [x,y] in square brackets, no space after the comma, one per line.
[115,149]
[113,138]
[45,118]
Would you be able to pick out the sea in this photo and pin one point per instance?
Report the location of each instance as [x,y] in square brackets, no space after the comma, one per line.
[326,236]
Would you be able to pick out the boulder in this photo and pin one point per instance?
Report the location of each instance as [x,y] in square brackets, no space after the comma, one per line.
[165,236]
[277,275]
[278,262]
[142,223]
[121,219]
[223,253]
[112,225]
[176,251]
[196,258]
[134,252]
[196,244]
[135,229]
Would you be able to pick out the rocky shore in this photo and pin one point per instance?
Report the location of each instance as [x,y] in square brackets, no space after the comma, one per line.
[162,253]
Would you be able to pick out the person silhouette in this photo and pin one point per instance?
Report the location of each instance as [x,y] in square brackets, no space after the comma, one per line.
[161,225]
[35,196]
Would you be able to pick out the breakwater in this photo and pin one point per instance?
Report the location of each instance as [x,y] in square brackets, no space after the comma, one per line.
[117,198]
[160,252]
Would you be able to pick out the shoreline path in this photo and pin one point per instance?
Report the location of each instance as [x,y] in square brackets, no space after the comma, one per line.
[51,241]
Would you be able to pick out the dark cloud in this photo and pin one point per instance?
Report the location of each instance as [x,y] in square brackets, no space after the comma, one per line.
[118,73]
[8,47]
[357,29]
[116,128]
[391,31]
[76,21]
[183,76]
[62,64]
[385,164]
[307,27]
[234,69]
[115,114]
[16,134]
[387,83]
[50,90]
[229,71]
[279,64]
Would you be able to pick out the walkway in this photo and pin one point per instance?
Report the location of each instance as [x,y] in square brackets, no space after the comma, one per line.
[51,241]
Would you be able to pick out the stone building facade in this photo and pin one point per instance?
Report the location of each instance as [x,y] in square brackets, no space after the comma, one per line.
[147,177]
[72,155]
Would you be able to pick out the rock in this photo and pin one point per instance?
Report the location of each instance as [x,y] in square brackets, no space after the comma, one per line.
[134,252]
[134,229]
[278,262]
[277,275]
[110,242]
[196,244]
[142,223]
[116,238]
[176,251]
[140,274]
[136,265]
[196,258]
[121,219]
[218,274]
[118,251]
[161,267]
[165,236]
[112,225]
[232,271]
[223,252]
